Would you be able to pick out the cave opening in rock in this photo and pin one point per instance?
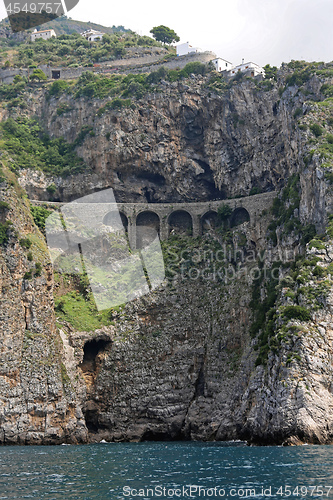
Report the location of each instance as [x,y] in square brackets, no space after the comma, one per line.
[91,350]
[152,177]
[90,366]
[169,435]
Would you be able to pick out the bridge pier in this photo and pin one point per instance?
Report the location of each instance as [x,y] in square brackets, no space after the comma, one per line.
[164,228]
[196,225]
[132,232]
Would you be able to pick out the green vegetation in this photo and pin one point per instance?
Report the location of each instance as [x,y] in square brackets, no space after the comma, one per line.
[40,214]
[327,90]
[63,109]
[65,25]
[38,74]
[217,83]
[12,90]
[125,86]
[164,34]
[76,306]
[29,147]
[299,77]
[115,104]
[38,269]
[316,129]
[254,190]
[264,311]
[283,210]
[57,88]
[73,50]
[82,314]
[296,312]
[270,72]
[318,244]
[25,242]
[36,272]
[4,206]
[224,211]
[298,112]
[329,229]
[4,232]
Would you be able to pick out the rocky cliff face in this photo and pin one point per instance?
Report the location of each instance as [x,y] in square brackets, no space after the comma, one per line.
[180,363]
[159,374]
[181,143]
[37,404]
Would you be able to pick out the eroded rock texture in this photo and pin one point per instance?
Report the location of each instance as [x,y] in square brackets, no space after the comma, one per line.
[180,363]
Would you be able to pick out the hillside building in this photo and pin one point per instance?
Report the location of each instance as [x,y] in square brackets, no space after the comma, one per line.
[250,68]
[221,64]
[45,35]
[185,48]
[92,35]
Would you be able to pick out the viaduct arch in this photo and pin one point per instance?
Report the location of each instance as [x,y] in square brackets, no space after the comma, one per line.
[143,221]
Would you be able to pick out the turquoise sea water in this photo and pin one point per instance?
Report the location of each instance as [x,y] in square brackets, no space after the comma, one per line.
[165,470]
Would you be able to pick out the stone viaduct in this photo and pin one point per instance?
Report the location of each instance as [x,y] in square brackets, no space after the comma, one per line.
[168,218]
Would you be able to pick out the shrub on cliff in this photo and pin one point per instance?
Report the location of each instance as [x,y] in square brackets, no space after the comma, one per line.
[316,129]
[4,232]
[299,77]
[57,88]
[297,312]
[40,214]
[38,74]
[270,72]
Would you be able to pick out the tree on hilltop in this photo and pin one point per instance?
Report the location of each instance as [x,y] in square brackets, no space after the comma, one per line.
[164,34]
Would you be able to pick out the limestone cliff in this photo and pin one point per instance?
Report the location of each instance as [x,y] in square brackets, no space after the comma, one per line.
[180,144]
[199,358]
[38,405]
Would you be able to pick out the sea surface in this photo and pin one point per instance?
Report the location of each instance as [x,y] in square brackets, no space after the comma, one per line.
[165,470]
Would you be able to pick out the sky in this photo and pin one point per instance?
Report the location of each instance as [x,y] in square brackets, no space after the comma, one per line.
[262,31]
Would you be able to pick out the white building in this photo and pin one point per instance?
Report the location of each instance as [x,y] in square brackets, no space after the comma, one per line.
[251,68]
[92,35]
[45,34]
[186,48]
[221,64]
